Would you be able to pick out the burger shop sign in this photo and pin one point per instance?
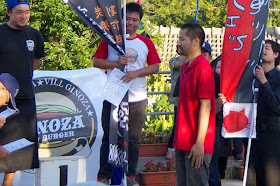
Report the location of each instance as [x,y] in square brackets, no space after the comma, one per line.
[64,111]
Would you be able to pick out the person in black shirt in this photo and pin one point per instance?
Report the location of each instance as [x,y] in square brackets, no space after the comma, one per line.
[21,48]
[265,151]
[268,117]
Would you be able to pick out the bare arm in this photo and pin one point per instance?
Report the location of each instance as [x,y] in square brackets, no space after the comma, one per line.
[3,153]
[181,61]
[105,64]
[197,151]
[149,70]
[203,119]
[36,62]
[2,121]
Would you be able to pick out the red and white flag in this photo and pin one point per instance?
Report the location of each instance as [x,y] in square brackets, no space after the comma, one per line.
[242,52]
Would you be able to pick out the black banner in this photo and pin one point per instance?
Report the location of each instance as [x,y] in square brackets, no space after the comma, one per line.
[105,17]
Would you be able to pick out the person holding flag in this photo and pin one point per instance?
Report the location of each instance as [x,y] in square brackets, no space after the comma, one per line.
[139,51]
[265,153]
[268,117]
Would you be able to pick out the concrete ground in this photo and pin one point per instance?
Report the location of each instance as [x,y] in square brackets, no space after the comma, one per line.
[232,182]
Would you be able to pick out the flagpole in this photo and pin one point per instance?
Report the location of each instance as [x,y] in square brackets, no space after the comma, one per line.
[247,160]
[253,124]
[124,69]
[196,11]
[124,22]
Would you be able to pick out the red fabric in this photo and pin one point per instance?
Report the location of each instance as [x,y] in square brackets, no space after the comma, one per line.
[131,177]
[196,82]
[102,50]
[152,57]
[100,179]
[233,62]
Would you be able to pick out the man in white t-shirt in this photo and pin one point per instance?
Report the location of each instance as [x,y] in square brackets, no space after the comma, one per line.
[139,52]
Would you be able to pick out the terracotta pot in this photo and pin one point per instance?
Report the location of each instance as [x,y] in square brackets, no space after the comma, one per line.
[240,172]
[153,150]
[164,178]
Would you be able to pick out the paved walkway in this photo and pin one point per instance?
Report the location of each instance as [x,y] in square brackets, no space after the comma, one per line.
[232,182]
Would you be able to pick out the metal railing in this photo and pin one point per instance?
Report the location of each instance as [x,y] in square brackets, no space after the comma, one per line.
[157,93]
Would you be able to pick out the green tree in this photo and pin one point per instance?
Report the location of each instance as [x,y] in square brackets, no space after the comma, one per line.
[212,13]
[274,14]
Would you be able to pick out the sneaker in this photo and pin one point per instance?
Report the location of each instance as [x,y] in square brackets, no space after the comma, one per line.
[131,181]
[170,153]
[106,181]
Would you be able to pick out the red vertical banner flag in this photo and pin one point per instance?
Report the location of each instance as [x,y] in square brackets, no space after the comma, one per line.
[242,50]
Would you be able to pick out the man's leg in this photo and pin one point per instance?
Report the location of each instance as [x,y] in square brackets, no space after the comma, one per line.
[171,139]
[105,170]
[214,178]
[268,161]
[137,116]
[222,166]
[199,176]
[238,148]
[171,151]
[180,168]
[8,179]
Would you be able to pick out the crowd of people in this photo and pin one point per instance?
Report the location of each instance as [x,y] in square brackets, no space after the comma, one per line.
[196,143]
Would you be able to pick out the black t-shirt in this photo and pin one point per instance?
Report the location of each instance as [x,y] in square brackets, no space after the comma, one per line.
[18,49]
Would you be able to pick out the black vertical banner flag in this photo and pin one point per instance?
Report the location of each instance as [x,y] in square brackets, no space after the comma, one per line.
[105,18]
[242,51]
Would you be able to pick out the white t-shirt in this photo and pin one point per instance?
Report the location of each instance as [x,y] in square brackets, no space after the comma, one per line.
[140,50]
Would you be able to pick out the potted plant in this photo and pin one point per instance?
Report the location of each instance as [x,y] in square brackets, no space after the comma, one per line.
[158,174]
[153,145]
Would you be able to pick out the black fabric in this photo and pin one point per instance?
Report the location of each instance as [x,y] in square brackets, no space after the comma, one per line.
[17,59]
[171,139]
[217,84]
[18,48]
[176,89]
[225,143]
[22,125]
[268,160]
[222,166]
[268,111]
[136,121]
[267,164]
